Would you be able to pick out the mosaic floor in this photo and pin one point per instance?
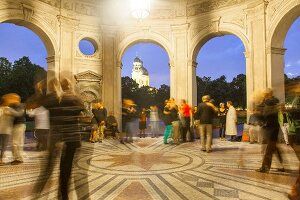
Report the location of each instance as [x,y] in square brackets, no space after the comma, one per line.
[148,169]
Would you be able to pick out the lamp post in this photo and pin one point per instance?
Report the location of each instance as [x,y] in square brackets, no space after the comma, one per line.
[140,9]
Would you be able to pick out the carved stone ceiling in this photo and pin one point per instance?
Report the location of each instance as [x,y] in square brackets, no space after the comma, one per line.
[160,8]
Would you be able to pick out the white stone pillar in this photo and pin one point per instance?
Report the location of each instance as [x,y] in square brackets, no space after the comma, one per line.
[275,71]
[256,61]
[67,46]
[53,63]
[180,73]
[111,72]
[192,83]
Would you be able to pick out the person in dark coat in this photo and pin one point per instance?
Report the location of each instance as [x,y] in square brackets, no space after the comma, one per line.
[269,110]
[65,111]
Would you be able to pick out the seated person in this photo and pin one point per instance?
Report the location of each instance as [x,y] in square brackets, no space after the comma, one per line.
[112,124]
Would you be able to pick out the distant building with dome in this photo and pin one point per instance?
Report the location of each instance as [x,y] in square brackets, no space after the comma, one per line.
[140,73]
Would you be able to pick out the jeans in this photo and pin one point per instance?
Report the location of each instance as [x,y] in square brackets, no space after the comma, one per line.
[205,136]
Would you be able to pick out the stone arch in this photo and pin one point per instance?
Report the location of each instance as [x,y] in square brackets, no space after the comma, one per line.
[206,34]
[39,27]
[141,37]
[282,22]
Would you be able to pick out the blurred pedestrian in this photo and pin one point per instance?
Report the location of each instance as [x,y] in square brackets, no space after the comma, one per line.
[270,129]
[128,115]
[154,121]
[142,122]
[7,115]
[65,110]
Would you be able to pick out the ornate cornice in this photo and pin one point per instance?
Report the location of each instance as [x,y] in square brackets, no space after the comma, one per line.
[89,76]
[210,5]
[68,22]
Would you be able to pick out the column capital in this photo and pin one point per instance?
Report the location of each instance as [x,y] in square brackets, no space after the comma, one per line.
[51,59]
[171,64]
[120,65]
[275,50]
[192,63]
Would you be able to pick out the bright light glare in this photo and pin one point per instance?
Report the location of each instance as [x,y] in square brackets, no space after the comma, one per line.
[140,9]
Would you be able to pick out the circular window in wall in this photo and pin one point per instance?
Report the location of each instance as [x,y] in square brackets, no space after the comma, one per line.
[87,46]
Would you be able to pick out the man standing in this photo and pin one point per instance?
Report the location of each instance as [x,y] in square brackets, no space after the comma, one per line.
[206,113]
[100,114]
[231,121]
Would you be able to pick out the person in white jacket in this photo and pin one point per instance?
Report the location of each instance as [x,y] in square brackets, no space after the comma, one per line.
[231,121]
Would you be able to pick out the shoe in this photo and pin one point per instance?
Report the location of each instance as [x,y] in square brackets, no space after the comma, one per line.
[16,162]
[208,151]
[263,170]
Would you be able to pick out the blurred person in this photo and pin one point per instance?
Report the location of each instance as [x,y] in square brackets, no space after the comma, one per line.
[270,130]
[7,116]
[112,124]
[154,121]
[142,122]
[100,115]
[128,114]
[18,133]
[283,122]
[222,111]
[196,121]
[175,121]
[94,135]
[293,116]
[206,112]
[40,114]
[231,122]
[187,114]
[65,109]
[167,121]
[255,121]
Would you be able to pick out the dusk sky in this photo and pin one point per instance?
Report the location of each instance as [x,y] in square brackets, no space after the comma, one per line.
[219,56]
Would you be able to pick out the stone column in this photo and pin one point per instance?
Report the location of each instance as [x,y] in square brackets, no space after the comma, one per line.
[275,71]
[111,73]
[180,73]
[67,46]
[53,63]
[256,57]
[192,83]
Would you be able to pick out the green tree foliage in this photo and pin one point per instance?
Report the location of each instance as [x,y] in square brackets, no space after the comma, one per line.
[5,73]
[221,90]
[145,96]
[20,77]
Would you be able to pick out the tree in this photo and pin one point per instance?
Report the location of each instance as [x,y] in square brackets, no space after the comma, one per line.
[23,77]
[129,88]
[5,73]
[238,95]
[163,93]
